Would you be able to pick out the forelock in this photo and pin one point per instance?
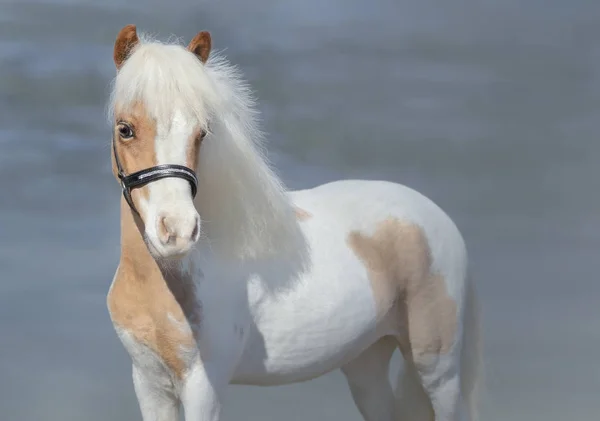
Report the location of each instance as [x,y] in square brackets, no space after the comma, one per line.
[164,77]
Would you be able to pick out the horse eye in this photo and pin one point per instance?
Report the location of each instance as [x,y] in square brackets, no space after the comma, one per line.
[125,131]
[202,135]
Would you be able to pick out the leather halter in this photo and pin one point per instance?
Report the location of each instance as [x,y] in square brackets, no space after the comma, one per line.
[148,175]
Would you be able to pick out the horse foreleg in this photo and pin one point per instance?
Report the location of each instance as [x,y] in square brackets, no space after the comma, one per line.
[202,392]
[208,378]
[157,403]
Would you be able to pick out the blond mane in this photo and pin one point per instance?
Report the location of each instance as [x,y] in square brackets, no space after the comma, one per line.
[244,206]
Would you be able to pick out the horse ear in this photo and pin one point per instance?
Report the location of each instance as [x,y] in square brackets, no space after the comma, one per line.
[127,39]
[201,45]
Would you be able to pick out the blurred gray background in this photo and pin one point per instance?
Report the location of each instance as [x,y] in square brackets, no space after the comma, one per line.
[489,107]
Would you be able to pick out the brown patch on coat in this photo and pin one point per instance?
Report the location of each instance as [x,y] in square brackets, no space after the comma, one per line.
[126,41]
[140,152]
[193,148]
[398,260]
[157,307]
[201,45]
[301,214]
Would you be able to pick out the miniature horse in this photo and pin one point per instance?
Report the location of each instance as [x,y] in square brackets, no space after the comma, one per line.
[225,277]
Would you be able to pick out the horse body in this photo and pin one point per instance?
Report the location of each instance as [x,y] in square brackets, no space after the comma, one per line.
[282,286]
[328,315]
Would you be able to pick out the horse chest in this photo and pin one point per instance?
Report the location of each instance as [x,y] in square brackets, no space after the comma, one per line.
[155,327]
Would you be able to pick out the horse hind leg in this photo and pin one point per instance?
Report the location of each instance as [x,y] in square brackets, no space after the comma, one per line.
[447,378]
[412,402]
[429,390]
[426,390]
[367,377]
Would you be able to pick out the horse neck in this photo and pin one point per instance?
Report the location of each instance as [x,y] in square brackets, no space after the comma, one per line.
[146,293]
[140,268]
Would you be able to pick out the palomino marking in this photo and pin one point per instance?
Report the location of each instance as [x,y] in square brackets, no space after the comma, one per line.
[398,258]
[139,153]
[301,214]
[155,143]
[158,308]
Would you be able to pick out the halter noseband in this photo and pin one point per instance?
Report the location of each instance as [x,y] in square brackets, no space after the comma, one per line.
[148,175]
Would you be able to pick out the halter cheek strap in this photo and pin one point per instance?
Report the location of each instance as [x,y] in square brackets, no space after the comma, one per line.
[148,175]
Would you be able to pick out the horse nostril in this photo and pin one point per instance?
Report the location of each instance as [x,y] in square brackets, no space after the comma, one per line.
[196,231]
[164,232]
